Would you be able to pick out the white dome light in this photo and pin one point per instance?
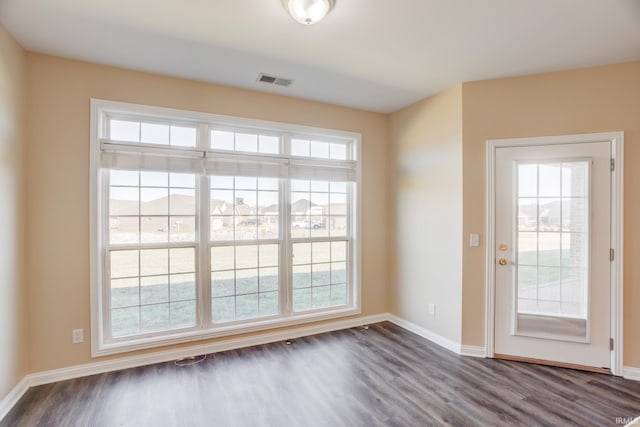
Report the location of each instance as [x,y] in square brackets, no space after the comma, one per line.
[308,12]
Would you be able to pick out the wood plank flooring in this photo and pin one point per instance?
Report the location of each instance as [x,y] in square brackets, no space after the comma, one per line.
[380,376]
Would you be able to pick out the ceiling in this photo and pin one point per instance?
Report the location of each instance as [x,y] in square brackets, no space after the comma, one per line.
[376,55]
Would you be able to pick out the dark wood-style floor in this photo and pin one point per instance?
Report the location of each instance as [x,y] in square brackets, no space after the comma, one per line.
[381,376]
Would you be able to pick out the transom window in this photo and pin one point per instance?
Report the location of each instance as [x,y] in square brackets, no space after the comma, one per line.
[206,225]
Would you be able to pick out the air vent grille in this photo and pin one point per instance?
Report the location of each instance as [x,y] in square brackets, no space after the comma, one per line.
[275,80]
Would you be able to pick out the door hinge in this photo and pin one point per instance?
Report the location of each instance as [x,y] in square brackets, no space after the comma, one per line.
[611,344]
[611,254]
[613,165]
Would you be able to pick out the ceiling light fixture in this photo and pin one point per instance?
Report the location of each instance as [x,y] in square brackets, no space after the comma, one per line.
[308,12]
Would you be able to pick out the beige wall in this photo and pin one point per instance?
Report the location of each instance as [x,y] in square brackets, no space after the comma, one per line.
[12,308]
[58,185]
[582,101]
[426,141]
[438,157]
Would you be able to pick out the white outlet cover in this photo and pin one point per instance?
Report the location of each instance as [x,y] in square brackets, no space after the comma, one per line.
[77,336]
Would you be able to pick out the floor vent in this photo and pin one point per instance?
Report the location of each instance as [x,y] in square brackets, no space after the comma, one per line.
[275,80]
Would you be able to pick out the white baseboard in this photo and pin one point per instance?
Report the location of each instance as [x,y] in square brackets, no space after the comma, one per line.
[62,374]
[630,373]
[425,333]
[46,377]
[77,371]
[93,368]
[12,398]
[473,351]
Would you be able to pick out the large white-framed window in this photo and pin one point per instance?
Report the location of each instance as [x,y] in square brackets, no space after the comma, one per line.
[205,225]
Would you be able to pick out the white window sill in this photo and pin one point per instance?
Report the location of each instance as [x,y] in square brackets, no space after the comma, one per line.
[204,333]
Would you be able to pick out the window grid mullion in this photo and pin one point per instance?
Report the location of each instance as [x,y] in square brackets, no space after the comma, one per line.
[351,215]
[106,273]
[203,238]
[204,254]
[286,249]
[320,239]
[151,245]
[221,243]
[286,254]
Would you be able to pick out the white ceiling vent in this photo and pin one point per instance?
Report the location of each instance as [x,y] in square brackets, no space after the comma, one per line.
[275,80]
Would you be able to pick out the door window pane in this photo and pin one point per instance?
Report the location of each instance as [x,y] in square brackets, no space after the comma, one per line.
[549,180]
[552,221]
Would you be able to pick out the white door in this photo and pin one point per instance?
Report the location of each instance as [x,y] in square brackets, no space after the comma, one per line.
[552,238]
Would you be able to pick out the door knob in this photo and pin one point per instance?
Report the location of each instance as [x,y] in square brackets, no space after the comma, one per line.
[502,261]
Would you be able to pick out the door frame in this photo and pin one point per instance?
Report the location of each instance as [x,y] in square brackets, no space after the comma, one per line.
[617,224]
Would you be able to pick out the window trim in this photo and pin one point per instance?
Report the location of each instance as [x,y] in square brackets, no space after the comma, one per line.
[101,108]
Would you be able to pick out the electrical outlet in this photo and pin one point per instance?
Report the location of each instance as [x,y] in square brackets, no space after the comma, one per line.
[77,336]
[432,309]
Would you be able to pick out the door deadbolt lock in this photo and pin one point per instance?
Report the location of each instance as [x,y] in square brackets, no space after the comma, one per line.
[502,261]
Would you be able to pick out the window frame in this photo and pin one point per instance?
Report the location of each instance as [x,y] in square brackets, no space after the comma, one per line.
[101,345]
